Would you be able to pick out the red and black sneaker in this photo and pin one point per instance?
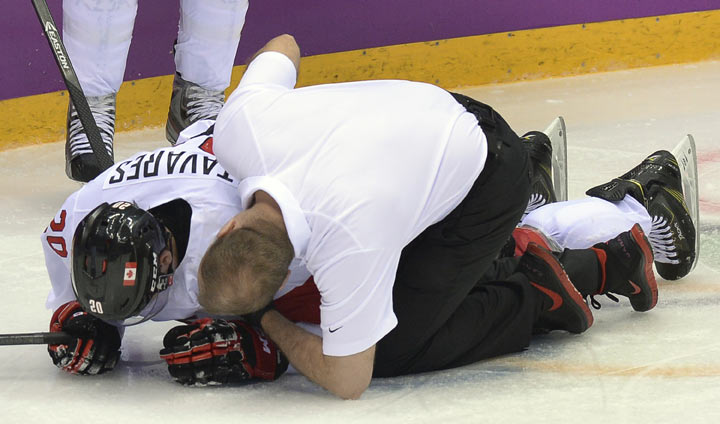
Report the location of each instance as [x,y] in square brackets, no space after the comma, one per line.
[626,264]
[563,306]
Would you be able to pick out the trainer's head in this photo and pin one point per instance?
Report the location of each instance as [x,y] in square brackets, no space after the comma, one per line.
[244,268]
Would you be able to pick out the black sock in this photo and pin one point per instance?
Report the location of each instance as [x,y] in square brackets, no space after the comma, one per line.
[583,269]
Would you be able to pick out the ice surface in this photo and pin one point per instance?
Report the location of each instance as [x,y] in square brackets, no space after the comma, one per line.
[662,366]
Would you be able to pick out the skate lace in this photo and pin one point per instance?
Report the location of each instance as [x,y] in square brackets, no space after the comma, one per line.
[203,104]
[103,110]
[596,304]
[536,200]
[661,240]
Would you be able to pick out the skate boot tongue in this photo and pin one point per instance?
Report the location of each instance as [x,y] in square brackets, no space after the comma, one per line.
[660,168]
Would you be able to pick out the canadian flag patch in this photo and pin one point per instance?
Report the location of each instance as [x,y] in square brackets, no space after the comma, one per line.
[130,273]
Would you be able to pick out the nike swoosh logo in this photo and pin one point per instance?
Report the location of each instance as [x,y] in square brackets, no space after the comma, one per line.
[556,298]
[636,288]
[332,330]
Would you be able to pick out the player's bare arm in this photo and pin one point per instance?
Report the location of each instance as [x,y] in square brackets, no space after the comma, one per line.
[344,376]
[284,44]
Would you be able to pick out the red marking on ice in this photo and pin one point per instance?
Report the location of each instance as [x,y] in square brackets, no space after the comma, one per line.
[712,156]
[709,206]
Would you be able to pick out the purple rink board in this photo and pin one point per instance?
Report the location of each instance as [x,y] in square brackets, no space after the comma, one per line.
[320,26]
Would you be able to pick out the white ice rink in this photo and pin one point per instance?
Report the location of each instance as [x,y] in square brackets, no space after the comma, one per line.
[662,366]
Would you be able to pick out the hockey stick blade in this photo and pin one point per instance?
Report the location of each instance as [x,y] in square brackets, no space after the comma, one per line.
[36,338]
[100,154]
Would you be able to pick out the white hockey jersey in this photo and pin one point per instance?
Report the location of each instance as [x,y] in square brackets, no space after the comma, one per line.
[187,171]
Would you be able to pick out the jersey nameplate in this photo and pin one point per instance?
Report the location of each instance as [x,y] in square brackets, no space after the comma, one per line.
[165,163]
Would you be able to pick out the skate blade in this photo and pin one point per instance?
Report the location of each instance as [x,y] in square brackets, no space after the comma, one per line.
[557,134]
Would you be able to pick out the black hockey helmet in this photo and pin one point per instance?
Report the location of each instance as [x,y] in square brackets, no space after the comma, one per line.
[115,269]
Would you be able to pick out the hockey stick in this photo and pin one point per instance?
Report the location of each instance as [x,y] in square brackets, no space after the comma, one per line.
[36,338]
[77,96]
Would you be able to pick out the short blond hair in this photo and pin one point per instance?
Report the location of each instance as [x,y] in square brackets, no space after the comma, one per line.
[242,270]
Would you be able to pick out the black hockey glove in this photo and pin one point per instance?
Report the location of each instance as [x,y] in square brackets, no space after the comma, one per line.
[255,317]
[97,347]
[218,351]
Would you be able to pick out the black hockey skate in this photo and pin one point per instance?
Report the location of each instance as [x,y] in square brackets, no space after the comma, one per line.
[657,184]
[190,103]
[563,306]
[538,146]
[626,266]
[80,164]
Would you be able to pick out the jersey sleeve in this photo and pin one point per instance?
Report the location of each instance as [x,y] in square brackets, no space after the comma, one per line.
[270,68]
[57,243]
[357,309]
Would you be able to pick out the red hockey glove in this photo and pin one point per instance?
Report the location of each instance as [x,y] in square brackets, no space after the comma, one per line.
[218,351]
[97,348]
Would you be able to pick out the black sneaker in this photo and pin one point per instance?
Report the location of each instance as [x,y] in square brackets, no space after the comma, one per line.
[626,265]
[80,165]
[657,184]
[190,103]
[539,147]
[563,306]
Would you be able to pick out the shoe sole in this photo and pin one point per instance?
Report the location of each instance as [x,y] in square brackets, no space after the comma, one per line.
[638,301]
[570,293]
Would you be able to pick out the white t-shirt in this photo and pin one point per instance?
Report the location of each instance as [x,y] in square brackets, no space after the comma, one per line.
[359,170]
[188,171]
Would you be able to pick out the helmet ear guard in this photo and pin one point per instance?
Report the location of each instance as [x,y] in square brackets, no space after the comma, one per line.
[115,263]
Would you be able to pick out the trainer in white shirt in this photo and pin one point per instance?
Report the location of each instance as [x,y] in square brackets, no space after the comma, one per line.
[353,186]
[388,184]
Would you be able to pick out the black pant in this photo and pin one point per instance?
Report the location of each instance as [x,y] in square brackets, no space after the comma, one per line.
[446,317]
[581,266]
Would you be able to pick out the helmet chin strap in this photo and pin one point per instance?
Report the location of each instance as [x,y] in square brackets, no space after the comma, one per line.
[165,280]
